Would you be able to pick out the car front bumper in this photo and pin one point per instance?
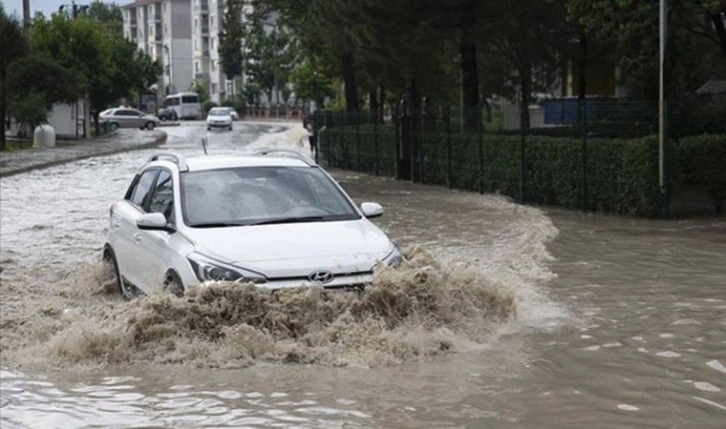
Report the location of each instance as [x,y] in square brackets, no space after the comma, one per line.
[219,124]
[340,282]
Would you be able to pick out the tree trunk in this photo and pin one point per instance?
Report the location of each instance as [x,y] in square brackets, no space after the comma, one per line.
[489,109]
[582,81]
[526,96]
[720,30]
[3,111]
[469,75]
[96,123]
[373,99]
[351,89]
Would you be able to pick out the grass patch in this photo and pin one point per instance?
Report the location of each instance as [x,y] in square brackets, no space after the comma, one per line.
[15,145]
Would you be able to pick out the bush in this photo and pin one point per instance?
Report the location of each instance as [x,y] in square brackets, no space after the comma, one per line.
[208,105]
[701,160]
[622,175]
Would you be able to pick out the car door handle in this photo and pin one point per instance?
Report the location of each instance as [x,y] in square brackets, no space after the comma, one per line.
[137,237]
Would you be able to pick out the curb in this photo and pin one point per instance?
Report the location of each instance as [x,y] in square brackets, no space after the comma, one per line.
[156,142]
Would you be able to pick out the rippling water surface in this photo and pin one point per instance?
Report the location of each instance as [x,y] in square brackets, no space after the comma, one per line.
[616,323]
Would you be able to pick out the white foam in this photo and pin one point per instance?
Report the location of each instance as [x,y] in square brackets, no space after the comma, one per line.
[707,387]
[714,364]
[628,407]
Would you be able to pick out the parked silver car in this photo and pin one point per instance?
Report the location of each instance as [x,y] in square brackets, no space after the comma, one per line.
[125,117]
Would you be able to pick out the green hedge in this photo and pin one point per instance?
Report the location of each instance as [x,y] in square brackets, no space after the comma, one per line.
[621,175]
[701,160]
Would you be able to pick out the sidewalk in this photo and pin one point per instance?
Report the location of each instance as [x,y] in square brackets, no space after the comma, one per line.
[121,141]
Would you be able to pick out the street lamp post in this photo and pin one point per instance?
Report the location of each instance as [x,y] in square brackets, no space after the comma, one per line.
[663,186]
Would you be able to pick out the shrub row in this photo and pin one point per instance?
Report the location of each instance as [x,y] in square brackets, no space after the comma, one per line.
[617,176]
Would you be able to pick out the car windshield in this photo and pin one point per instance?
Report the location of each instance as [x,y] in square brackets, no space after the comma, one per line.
[261,195]
[219,112]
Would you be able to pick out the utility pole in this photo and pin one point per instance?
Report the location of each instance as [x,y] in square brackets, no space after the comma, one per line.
[662,185]
[26,14]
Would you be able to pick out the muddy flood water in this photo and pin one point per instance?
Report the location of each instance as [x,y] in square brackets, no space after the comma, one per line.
[502,316]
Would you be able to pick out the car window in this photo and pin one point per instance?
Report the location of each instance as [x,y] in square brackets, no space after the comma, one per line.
[162,198]
[189,99]
[143,186]
[250,195]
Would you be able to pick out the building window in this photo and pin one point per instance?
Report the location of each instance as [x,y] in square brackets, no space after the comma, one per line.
[211,43]
[163,7]
[214,65]
[211,20]
[196,66]
[196,44]
[196,23]
[166,29]
[214,88]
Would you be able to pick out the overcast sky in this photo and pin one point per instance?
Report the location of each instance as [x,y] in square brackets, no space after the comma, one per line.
[46,6]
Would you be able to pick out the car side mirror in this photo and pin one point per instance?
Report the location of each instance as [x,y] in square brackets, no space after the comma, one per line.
[371,210]
[154,222]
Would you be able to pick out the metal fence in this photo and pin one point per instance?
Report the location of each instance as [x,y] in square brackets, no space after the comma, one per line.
[597,155]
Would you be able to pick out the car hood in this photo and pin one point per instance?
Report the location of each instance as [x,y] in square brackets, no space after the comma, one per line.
[296,249]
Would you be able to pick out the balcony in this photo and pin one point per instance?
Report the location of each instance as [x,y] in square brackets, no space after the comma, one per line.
[205,29]
[157,17]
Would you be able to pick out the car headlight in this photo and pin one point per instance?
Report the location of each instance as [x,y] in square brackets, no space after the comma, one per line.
[206,268]
[394,258]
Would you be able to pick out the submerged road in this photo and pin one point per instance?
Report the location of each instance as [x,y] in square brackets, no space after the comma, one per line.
[618,323]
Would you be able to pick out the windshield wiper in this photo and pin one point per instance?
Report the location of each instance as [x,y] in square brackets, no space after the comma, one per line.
[290,220]
[216,224]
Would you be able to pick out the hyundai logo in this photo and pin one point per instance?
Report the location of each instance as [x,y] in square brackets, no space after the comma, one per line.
[321,277]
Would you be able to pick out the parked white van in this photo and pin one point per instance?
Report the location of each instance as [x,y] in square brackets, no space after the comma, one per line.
[185,104]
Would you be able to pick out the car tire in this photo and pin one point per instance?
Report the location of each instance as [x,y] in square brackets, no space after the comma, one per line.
[113,126]
[127,292]
[173,284]
[209,128]
[150,126]
[230,127]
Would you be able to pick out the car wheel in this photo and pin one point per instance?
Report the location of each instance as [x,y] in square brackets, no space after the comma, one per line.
[150,126]
[173,284]
[230,127]
[127,291]
[113,126]
[209,128]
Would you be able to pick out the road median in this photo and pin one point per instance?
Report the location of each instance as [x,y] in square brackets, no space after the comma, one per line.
[124,140]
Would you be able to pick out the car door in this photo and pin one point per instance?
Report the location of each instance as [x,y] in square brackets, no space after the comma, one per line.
[124,220]
[127,118]
[153,249]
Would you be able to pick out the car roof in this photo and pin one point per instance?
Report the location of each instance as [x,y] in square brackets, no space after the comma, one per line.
[214,162]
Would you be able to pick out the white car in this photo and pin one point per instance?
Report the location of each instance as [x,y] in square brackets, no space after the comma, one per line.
[219,117]
[272,219]
[233,113]
[126,117]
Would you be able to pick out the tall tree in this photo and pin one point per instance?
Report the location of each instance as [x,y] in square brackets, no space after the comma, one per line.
[230,38]
[12,49]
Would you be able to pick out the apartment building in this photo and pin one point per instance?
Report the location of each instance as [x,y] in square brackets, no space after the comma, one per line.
[163,29]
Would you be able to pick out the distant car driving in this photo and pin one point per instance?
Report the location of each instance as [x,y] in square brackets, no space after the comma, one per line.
[167,114]
[219,117]
[269,219]
[233,113]
[125,117]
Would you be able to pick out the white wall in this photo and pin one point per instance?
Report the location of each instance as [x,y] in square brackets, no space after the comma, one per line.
[182,64]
